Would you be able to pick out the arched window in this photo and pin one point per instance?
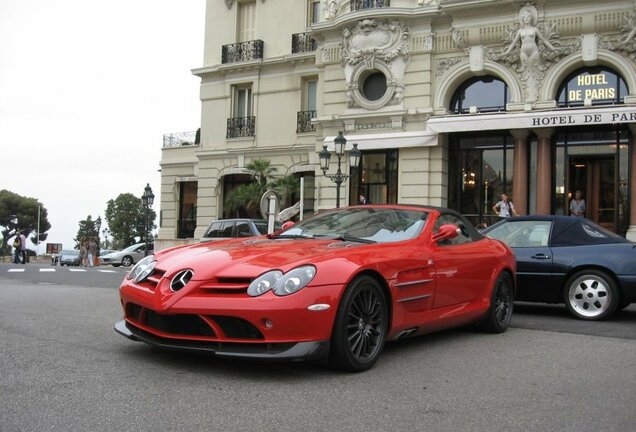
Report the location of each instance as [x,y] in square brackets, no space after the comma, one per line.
[486,94]
[593,86]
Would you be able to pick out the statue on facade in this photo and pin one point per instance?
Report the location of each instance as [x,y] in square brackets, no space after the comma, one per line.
[627,40]
[331,8]
[530,50]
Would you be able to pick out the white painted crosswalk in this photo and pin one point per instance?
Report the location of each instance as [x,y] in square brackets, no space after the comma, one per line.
[53,270]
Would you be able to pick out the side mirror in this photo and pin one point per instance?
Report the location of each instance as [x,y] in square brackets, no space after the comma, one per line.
[446,232]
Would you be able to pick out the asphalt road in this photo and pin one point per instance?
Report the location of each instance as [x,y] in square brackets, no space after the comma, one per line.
[64,368]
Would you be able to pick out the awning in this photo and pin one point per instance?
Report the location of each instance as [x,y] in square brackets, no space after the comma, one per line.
[379,141]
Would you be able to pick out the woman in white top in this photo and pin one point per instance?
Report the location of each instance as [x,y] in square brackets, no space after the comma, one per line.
[504,208]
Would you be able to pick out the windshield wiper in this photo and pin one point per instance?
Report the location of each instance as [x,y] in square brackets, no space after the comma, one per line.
[290,236]
[347,237]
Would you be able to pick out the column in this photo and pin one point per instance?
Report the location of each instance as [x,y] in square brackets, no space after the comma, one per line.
[544,170]
[520,171]
[631,231]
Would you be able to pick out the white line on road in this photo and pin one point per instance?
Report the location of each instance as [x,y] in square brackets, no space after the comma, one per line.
[107,271]
[47,270]
[77,270]
[15,270]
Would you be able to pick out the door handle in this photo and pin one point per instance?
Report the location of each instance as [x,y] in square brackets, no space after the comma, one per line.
[540,256]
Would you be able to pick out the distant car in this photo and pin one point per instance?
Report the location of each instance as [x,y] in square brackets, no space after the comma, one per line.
[126,257]
[564,259]
[336,286]
[69,257]
[103,252]
[224,229]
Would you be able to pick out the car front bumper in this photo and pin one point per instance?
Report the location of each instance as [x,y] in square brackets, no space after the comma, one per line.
[313,350]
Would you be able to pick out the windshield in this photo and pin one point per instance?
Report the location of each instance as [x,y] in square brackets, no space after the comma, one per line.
[381,225]
[70,252]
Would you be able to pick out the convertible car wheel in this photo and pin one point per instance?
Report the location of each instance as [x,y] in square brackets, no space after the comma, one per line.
[360,327]
[591,295]
[126,261]
[501,305]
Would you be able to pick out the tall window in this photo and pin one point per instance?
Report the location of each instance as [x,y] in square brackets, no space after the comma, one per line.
[486,94]
[242,101]
[309,97]
[314,11]
[308,105]
[376,178]
[187,222]
[480,170]
[246,21]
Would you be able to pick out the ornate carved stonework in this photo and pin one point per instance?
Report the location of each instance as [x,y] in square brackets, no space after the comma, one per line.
[626,42]
[532,47]
[445,64]
[375,46]
[331,8]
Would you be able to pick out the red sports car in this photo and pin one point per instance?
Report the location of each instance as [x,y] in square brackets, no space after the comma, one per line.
[335,286]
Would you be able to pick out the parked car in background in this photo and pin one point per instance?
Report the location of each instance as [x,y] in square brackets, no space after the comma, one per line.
[571,260]
[126,257]
[224,229]
[335,286]
[103,252]
[69,257]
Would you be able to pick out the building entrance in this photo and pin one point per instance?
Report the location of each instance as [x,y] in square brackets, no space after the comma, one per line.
[595,177]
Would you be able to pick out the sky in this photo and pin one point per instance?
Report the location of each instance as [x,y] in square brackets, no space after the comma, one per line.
[88,88]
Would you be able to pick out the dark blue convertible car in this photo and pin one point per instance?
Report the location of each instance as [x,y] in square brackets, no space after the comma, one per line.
[563,259]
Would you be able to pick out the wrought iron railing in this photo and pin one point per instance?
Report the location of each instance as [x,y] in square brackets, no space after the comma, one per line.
[241,127]
[302,42]
[242,51]
[303,121]
[369,4]
[179,139]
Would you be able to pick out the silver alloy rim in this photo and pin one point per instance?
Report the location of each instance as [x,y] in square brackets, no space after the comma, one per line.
[589,296]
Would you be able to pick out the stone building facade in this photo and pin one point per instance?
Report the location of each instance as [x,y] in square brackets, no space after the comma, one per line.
[452,103]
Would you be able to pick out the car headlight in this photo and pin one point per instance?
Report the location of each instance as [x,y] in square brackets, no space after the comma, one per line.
[282,284]
[142,269]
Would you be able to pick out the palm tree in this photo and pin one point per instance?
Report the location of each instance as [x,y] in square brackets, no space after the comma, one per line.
[285,188]
[244,200]
[261,171]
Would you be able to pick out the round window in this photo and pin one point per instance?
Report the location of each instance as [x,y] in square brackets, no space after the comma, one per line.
[374,86]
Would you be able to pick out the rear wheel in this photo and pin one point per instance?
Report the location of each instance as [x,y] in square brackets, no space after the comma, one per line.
[360,327]
[126,261]
[501,305]
[591,295]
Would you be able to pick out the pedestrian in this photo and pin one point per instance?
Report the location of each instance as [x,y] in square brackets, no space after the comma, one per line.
[577,205]
[23,247]
[16,248]
[91,250]
[363,199]
[504,208]
[83,252]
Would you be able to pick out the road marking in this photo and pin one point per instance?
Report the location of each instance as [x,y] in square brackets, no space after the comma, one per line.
[15,270]
[107,271]
[47,270]
[77,270]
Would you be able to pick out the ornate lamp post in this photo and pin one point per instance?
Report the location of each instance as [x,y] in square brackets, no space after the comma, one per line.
[340,142]
[147,199]
[106,231]
[98,225]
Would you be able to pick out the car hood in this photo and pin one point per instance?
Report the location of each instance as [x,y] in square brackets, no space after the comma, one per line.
[250,258]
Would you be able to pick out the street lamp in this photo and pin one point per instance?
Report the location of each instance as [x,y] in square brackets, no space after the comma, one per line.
[98,225]
[147,199]
[106,231]
[340,142]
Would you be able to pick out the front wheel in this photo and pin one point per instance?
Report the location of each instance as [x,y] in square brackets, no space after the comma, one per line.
[591,295]
[501,305]
[360,327]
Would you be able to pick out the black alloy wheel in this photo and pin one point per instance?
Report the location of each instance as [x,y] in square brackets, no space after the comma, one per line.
[361,325]
[501,305]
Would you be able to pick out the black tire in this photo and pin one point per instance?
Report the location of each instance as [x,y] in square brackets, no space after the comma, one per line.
[360,328]
[623,304]
[116,265]
[501,305]
[127,261]
[591,295]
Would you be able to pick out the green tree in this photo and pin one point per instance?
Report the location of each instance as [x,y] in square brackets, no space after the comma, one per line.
[285,188]
[21,213]
[126,218]
[262,172]
[87,229]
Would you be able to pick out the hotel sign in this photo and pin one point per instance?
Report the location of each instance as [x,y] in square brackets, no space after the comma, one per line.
[584,119]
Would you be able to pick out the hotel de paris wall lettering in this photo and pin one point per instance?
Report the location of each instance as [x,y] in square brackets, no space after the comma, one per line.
[528,51]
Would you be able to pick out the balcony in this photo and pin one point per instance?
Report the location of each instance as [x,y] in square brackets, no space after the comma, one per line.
[369,4]
[302,43]
[303,121]
[180,139]
[243,51]
[241,127]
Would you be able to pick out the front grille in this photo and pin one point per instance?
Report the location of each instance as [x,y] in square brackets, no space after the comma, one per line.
[177,324]
[193,325]
[227,286]
[237,328]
